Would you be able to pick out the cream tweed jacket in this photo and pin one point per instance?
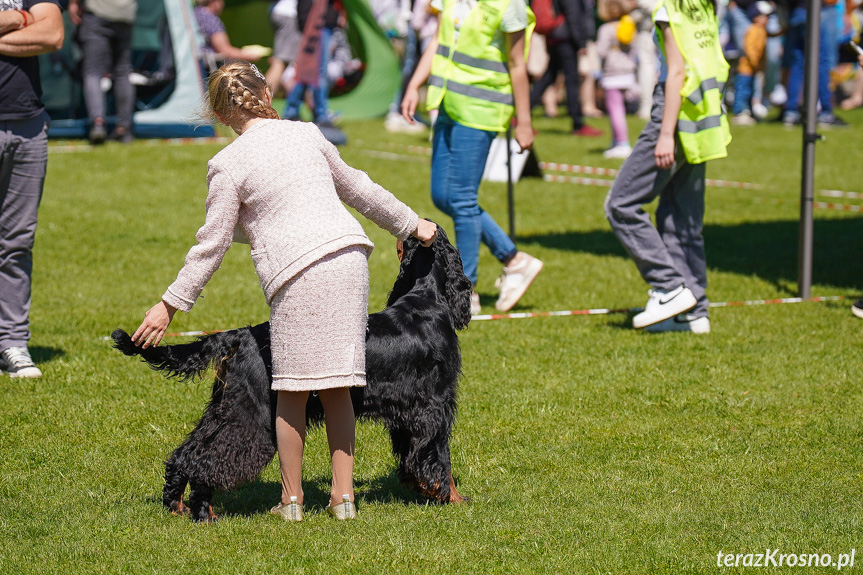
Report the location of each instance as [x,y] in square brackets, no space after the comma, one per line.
[281,184]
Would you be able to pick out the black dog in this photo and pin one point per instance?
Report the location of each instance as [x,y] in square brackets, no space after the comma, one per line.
[413,363]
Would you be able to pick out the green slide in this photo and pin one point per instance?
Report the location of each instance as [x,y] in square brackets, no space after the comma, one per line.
[248,23]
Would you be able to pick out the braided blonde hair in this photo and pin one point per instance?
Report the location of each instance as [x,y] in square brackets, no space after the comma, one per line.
[237,91]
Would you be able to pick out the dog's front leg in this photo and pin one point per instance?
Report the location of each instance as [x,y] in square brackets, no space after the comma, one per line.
[175,487]
[200,501]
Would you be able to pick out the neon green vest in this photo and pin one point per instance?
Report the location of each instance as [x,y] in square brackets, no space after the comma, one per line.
[702,125]
[469,74]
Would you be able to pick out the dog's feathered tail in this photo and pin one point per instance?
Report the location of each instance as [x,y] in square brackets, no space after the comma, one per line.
[183,361]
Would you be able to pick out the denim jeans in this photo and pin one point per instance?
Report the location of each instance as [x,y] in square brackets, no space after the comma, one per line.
[320,92]
[796,44]
[458,159]
[743,93]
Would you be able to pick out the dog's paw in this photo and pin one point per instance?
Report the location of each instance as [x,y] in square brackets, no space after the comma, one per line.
[179,509]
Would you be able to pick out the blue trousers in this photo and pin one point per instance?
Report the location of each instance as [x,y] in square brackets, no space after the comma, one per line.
[459,154]
[743,93]
[795,43]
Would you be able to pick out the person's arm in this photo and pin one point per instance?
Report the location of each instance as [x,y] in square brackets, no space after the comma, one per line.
[356,189]
[45,34]
[11,20]
[411,98]
[205,257]
[664,151]
[520,89]
[222,46]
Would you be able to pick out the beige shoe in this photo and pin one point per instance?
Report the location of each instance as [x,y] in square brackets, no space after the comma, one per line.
[344,510]
[515,280]
[292,511]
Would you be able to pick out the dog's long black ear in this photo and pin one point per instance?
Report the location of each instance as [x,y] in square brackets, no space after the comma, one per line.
[458,286]
[403,283]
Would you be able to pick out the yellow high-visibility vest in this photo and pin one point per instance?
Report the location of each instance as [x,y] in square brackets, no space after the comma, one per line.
[702,125]
[468,74]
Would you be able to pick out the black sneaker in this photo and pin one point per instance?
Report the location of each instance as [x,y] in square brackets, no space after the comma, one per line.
[857,308]
[16,362]
[831,121]
[98,134]
[122,135]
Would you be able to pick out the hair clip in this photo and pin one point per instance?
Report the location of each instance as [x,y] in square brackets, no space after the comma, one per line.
[258,72]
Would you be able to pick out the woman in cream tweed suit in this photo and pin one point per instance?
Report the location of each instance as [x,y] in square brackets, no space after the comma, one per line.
[280,187]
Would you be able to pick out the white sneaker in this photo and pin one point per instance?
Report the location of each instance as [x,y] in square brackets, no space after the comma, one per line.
[515,280]
[16,362]
[475,306]
[744,118]
[620,151]
[682,322]
[759,110]
[395,122]
[662,305]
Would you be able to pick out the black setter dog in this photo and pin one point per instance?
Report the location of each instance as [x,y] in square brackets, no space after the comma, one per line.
[413,363]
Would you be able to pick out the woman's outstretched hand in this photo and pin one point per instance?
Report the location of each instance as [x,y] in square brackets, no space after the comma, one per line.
[426,232]
[156,321]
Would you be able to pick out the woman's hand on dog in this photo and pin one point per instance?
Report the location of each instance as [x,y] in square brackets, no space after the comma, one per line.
[426,232]
[156,321]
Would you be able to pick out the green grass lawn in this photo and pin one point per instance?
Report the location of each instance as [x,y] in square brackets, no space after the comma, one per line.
[586,447]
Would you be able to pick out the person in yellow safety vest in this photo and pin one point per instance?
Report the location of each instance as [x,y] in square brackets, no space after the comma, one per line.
[477,74]
[687,127]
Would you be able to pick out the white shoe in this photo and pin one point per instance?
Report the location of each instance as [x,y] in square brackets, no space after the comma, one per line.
[475,306]
[759,110]
[662,305]
[395,122]
[16,362]
[682,322]
[744,118]
[620,151]
[515,280]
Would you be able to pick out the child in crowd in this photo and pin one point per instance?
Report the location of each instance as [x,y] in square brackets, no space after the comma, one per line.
[753,61]
[668,163]
[280,186]
[614,43]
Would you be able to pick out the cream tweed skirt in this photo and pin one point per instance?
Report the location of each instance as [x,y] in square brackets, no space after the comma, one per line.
[318,324]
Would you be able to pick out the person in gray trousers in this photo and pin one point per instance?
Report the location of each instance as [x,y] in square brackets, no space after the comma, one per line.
[670,255]
[27,28]
[105,36]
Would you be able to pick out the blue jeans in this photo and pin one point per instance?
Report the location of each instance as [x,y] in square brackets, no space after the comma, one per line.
[796,44]
[320,92]
[743,93]
[458,159]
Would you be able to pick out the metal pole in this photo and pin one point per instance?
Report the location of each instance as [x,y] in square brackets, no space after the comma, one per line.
[510,195]
[810,136]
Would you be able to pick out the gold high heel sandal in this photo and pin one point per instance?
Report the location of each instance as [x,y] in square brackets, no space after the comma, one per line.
[344,510]
[292,512]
